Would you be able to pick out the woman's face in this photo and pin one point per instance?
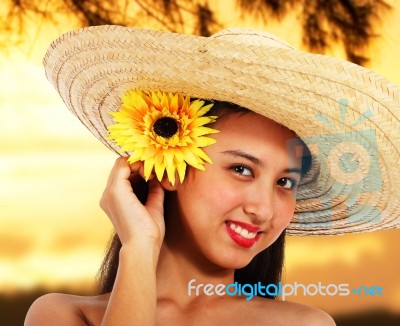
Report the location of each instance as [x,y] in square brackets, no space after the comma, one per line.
[243,201]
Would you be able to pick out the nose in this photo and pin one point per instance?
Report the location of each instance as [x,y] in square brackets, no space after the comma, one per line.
[259,202]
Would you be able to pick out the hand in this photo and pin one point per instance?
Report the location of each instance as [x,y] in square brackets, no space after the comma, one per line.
[133,221]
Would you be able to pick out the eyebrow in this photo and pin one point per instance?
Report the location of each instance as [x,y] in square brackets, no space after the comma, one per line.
[244,155]
[293,170]
[257,161]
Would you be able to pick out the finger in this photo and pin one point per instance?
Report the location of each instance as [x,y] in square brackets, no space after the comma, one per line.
[105,199]
[155,198]
[123,173]
[135,167]
[136,176]
[111,176]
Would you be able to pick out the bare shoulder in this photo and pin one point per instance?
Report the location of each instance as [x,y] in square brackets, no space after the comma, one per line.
[290,313]
[65,309]
[308,315]
[54,308]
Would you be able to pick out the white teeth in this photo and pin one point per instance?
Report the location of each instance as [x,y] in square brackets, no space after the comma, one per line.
[243,232]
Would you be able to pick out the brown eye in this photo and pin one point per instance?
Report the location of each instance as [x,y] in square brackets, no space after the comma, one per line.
[287,183]
[242,170]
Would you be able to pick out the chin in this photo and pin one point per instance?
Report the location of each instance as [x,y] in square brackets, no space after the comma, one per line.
[233,262]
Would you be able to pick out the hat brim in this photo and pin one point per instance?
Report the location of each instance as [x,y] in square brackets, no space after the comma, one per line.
[326,101]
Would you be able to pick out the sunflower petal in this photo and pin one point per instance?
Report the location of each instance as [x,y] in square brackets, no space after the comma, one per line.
[148,167]
[155,100]
[202,111]
[135,156]
[169,158]
[159,165]
[201,121]
[191,159]
[200,153]
[171,173]
[148,152]
[204,141]
[181,167]
[200,131]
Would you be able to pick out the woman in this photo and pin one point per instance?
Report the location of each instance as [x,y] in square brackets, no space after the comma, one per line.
[194,236]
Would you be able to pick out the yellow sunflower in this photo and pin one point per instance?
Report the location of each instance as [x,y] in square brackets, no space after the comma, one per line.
[163,129]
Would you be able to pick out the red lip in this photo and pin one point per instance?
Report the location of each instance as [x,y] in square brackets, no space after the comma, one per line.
[248,227]
[247,243]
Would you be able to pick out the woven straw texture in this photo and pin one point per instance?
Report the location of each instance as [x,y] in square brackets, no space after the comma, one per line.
[348,115]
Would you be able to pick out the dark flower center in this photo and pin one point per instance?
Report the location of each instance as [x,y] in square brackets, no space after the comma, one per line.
[165,127]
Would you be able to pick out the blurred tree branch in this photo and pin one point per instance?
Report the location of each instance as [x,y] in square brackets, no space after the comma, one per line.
[351,23]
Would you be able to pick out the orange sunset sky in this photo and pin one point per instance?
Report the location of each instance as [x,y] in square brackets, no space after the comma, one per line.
[52,174]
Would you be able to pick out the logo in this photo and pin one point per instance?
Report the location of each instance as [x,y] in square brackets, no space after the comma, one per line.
[349,164]
[280,289]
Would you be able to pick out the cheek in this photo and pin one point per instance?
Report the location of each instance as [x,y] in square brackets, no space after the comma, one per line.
[220,198]
[212,191]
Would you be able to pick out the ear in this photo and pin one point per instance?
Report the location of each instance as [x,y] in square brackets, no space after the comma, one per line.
[167,185]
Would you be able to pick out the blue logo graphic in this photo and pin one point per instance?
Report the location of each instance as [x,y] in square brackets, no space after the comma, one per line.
[368,291]
[351,164]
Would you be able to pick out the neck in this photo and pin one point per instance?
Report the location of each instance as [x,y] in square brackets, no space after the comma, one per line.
[179,277]
[181,263]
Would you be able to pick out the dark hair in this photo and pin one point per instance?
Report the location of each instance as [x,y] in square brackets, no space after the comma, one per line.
[266,267]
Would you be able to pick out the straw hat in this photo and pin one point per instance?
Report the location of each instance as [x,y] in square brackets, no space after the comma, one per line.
[347,115]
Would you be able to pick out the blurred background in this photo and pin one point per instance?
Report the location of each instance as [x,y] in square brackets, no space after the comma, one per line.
[53,171]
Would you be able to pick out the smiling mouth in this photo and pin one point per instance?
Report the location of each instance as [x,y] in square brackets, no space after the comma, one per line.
[242,231]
